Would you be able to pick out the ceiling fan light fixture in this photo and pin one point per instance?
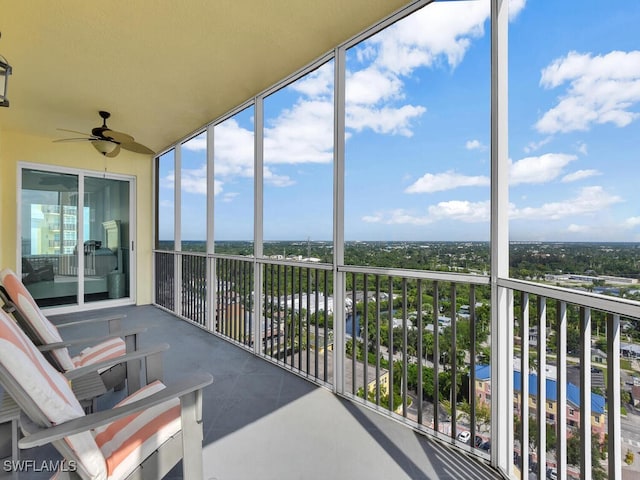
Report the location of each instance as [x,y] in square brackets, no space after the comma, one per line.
[105,147]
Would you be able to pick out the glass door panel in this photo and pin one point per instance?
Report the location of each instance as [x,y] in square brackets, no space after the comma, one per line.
[49,236]
[106,239]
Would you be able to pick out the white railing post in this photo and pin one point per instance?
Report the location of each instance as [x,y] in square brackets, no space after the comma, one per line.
[177,230]
[338,221]
[613,396]
[501,298]
[212,300]
[258,229]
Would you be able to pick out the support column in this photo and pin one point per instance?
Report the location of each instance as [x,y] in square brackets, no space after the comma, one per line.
[501,299]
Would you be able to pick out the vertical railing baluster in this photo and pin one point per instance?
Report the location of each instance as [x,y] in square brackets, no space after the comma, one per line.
[561,386]
[316,329]
[419,352]
[354,348]
[271,306]
[293,316]
[453,358]
[246,302]
[542,384]
[390,351]
[585,393]
[405,357]
[378,339]
[472,367]
[524,384]
[613,396]
[326,325]
[436,357]
[365,336]
[286,313]
[300,344]
[278,310]
[308,321]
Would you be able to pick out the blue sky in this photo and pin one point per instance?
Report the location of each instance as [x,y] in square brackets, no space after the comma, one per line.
[417,134]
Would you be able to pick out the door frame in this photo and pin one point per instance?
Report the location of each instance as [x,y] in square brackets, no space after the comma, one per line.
[81,305]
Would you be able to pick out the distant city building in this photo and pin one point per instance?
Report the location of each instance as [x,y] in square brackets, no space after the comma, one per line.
[598,402]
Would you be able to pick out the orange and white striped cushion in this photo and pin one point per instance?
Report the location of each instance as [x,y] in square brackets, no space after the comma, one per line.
[112,348]
[49,391]
[125,442]
[29,309]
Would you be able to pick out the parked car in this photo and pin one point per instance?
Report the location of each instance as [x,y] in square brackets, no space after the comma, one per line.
[464,436]
[552,474]
[486,446]
[479,441]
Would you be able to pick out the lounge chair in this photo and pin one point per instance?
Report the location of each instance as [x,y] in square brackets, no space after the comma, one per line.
[143,437]
[46,336]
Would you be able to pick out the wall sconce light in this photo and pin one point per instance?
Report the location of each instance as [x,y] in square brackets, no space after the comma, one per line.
[5,71]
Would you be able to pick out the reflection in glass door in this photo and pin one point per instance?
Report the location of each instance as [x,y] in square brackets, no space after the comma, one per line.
[49,236]
[106,239]
[75,231]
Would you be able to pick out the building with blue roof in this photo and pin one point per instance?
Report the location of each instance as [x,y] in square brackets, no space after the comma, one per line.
[598,402]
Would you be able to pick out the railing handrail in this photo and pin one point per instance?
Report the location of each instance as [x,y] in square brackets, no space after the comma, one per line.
[418,274]
[596,301]
[295,263]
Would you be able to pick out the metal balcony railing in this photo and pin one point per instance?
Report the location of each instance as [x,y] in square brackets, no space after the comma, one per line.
[417,346]
[569,342]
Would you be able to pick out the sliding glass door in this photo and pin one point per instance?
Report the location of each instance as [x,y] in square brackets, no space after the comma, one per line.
[75,237]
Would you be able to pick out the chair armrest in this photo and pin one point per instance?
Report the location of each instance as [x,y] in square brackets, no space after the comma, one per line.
[179,389]
[115,322]
[137,355]
[89,340]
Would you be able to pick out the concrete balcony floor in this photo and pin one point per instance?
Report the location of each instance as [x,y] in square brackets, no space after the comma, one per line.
[261,421]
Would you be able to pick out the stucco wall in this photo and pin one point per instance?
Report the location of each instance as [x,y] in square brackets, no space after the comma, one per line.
[15,148]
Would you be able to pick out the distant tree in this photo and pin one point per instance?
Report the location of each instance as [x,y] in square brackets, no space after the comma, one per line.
[574,450]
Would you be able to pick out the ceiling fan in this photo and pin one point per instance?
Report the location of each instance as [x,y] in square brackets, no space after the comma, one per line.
[106,141]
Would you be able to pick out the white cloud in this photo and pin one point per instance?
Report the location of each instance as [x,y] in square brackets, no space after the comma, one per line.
[438,35]
[277,180]
[233,150]
[464,211]
[541,169]
[582,148]
[229,196]
[384,120]
[632,222]
[573,228]
[302,134]
[318,83]
[194,180]
[439,182]
[601,89]
[580,175]
[196,144]
[515,7]
[475,145]
[533,146]
[529,170]
[590,200]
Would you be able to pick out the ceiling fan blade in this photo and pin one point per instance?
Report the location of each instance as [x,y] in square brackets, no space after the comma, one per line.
[73,131]
[117,136]
[62,140]
[136,147]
